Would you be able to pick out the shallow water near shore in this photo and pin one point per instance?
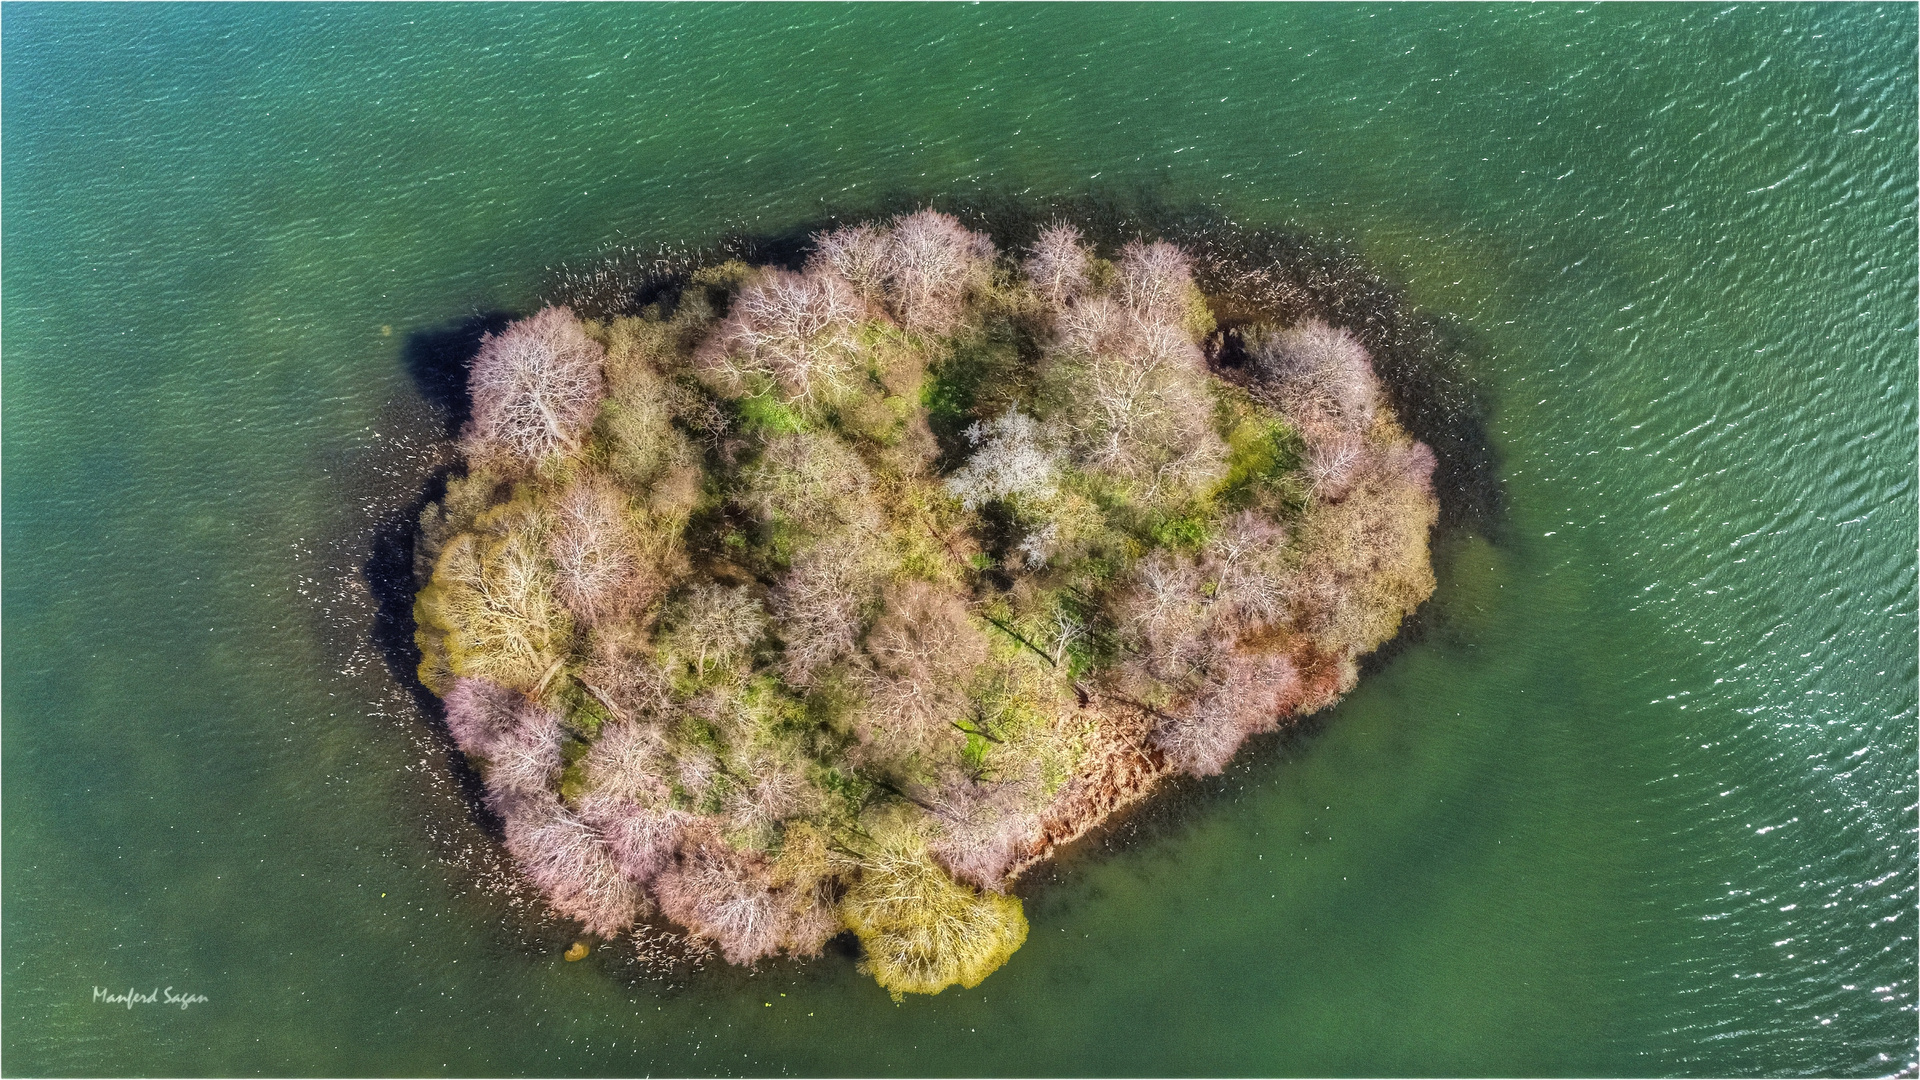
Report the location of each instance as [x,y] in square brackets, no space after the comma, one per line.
[1639,799]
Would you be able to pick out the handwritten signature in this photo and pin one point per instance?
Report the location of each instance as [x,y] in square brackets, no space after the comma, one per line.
[157,996]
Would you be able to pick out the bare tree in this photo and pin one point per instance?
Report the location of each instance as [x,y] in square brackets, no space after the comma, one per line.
[1244,558]
[1334,459]
[1312,369]
[1095,324]
[931,261]
[858,254]
[640,839]
[597,571]
[480,713]
[767,792]
[1195,745]
[820,605]
[985,825]
[491,600]
[1364,561]
[1009,459]
[524,761]
[696,768]
[811,480]
[573,866]
[922,930]
[623,669]
[628,760]
[925,650]
[1133,395]
[795,328]
[714,625]
[1410,464]
[1165,613]
[1058,262]
[535,387]
[1039,545]
[1155,280]
[726,897]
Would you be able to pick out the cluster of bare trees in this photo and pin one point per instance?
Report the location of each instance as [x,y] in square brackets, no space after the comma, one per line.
[1125,379]
[724,642]
[1356,567]
[798,330]
[1365,539]
[518,743]
[920,268]
[1185,617]
[815,487]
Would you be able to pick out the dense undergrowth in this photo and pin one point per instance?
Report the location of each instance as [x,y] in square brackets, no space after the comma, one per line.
[830,600]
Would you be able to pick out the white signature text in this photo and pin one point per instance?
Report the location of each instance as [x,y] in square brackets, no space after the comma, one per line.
[157,996]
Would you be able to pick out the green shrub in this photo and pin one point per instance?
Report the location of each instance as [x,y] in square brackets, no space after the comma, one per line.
[923,931]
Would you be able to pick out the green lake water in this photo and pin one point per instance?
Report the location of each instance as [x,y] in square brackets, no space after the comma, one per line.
[1640,801]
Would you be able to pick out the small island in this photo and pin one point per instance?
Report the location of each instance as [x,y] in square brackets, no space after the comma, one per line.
[834,598]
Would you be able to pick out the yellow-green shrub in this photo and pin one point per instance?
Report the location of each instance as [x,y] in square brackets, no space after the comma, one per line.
[922,930]
[489,611]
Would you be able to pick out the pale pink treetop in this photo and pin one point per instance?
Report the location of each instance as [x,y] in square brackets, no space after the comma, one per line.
[571,863]
[536,387]
[1154,279]
[920,266]
[931,259]
[1057,264]
[796,328]
[1320,370]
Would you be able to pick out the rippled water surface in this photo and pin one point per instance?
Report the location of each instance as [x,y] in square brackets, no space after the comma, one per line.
[1640,801]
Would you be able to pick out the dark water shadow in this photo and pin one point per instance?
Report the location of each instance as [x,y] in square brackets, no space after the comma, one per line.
[439,359]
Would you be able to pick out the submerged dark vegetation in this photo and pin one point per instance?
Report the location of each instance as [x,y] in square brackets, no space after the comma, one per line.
[806,601]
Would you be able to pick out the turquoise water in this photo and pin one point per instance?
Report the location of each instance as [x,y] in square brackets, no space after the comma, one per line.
[1641,801]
